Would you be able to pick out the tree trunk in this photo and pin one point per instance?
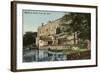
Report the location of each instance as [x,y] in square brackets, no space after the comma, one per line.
[77,39]
[88,44]
[74,39]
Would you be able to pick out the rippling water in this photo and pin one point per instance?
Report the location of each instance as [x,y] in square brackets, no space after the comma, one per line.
[42,55]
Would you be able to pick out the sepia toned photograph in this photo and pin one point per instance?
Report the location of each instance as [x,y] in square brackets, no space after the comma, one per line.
[46,36]
[56,36]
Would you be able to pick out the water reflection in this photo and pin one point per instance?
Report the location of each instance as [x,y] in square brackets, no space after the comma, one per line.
[35,55]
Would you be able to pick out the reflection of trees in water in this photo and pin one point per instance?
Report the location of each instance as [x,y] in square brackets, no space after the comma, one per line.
[43,55]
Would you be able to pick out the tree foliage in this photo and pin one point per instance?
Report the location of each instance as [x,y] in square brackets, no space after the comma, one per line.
[29,38]
[80,24]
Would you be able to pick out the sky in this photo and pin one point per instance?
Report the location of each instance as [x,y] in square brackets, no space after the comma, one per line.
[32,19]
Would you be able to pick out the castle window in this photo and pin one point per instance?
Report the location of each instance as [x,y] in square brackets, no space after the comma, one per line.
[46,29]
[58,30]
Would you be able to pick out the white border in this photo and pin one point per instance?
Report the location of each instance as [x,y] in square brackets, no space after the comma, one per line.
[21,65]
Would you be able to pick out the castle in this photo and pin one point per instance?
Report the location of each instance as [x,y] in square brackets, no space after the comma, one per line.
[52,35]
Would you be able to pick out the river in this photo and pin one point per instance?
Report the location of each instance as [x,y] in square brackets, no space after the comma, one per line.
[35,55]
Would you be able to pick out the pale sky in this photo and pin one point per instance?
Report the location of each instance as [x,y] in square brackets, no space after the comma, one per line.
[32,19]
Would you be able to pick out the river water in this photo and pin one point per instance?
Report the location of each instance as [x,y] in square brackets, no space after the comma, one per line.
[35,55]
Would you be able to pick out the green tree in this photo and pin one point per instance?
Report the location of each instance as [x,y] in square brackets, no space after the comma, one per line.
[29,38]
[79,26]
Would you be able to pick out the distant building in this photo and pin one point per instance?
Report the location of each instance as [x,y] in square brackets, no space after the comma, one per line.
[52,35]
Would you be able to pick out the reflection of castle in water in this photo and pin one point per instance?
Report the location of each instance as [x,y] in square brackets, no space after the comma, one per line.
[51,55]
[52,35]
[43,55]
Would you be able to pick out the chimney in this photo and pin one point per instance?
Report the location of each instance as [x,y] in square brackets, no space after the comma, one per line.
[42,24]
[50,21]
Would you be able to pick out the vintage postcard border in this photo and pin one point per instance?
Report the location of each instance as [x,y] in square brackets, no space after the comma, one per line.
[14,35]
